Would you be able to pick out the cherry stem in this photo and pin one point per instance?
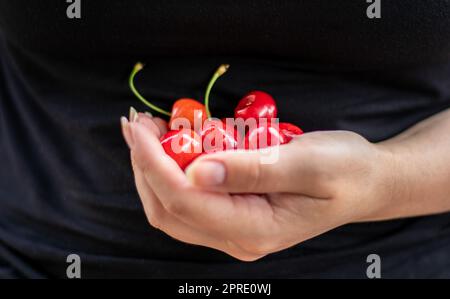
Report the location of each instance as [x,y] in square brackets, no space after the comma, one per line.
[137,68]
[220,71]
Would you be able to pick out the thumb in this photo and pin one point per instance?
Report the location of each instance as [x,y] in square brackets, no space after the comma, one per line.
[249,172]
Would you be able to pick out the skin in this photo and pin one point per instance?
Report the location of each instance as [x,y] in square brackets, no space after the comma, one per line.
[322,180]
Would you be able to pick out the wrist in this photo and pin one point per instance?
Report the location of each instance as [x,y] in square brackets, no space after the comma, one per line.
[390,184]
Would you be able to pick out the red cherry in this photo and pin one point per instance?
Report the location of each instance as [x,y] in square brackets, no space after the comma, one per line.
[256,104]
[264,136]
[217,137]
[184,146]
[191,110]
[289,131]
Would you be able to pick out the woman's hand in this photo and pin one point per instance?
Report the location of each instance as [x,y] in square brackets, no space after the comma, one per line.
[232,202]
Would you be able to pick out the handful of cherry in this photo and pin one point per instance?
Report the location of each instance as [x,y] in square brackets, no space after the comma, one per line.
[193,132]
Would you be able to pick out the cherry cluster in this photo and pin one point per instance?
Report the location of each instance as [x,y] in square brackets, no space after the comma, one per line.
[193,132]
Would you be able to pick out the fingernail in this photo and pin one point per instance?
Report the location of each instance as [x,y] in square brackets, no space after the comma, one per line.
[133,115]
[126,132]
[149,114]
[207,173]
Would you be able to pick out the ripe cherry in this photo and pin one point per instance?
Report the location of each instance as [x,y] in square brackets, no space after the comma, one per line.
[183,146]
[289,131]
[217,137]
[264,136]
[256,104]
[191,110]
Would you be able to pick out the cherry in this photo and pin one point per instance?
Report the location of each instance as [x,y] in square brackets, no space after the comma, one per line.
[194,112]
[289,131]
[264,136]
[183,146]
[217,137]
[189,109]
[256,104]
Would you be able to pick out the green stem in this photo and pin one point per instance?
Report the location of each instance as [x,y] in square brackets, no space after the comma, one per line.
[220,71]
[137,68]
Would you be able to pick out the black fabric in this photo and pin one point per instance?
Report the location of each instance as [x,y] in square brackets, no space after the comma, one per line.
[65,181]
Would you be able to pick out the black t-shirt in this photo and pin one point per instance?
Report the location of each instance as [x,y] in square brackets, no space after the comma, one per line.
[66,186]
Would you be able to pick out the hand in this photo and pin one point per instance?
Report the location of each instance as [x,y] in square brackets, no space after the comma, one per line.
[321,181]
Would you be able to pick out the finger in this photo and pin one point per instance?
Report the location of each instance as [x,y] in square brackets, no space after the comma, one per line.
[151,158]
[287,168]
[166,178]
[126,131]
[204,210]
[236,218]
[156,125]
[177,229]
[148,121]
[159,218]
[162,125]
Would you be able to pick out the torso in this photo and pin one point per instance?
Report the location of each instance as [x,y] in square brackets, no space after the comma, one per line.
[66,184]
